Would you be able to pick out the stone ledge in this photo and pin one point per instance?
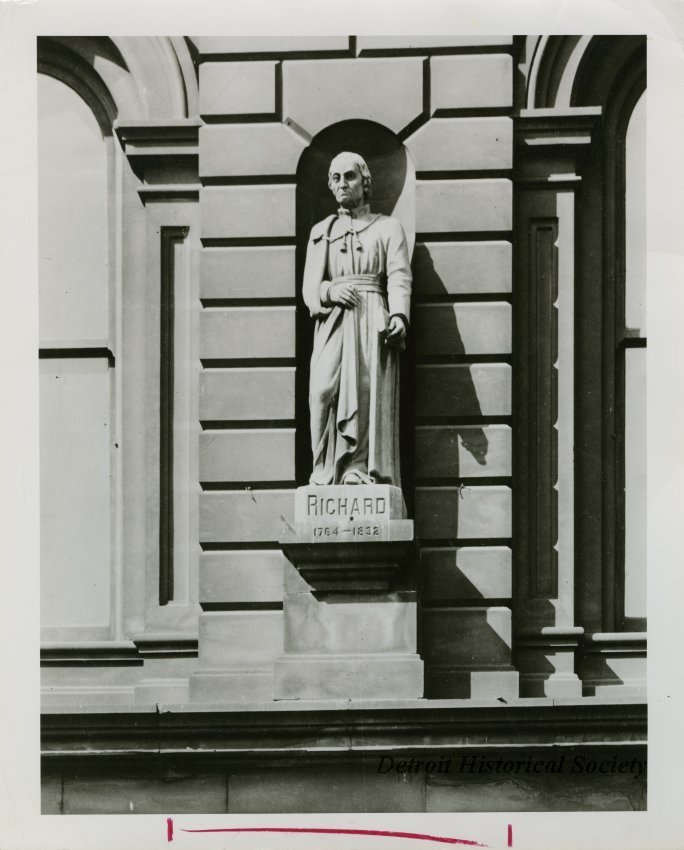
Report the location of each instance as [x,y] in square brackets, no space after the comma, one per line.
[339,725]
[118,653]
[89,653]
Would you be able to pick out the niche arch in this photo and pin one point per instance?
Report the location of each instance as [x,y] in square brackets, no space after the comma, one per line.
[394,180]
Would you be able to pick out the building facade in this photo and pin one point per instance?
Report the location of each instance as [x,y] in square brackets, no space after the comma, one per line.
[178,182]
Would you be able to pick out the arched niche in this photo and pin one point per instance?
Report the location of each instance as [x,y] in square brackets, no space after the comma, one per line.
[394,180]
[390,166]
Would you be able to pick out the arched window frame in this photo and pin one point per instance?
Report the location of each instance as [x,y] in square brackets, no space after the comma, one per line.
[143,93]
[57,61]
[612,75]
[629,88]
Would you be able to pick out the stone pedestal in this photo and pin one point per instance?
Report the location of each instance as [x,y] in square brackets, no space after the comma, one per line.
[350,604]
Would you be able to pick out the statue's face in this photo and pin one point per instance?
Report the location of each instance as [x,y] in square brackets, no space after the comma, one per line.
[346,182]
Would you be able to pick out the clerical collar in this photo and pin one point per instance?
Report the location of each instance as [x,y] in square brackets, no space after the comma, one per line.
[357,212]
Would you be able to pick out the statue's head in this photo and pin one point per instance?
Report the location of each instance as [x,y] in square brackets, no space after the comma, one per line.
[349,179]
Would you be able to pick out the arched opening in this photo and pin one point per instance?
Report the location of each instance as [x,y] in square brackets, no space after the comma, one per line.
[76,382]
[393,194]
[610,332]
[632,364]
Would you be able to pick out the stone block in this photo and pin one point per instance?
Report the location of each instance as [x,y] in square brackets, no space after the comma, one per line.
[260,272]
[333,787]
[471,82]
[547,669]
[76,492]
[462,144]
[246,212]
[245,332]
[466,637]
[50,793]
[463,452]
[429,42]
[231,641]
[482,389]
[463,513]
[478,572]
[247,516]
[270,44]
[246,150]
[386,676]
[317,94]
[246,686]
[608,673]
[449,683]
[110,678]
[349,538]
[457,206]
[169,691]
[265,455]
[253,576]
[345,624]
[442,329]
[237,88]
[461,268]
[546,792]
[247,394]
[132,793]
[494,684]
[56,697]
[293,582]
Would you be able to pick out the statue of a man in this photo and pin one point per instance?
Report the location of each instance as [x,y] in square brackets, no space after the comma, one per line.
[357,286]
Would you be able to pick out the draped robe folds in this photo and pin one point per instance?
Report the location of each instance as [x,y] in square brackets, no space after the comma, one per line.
[354,382]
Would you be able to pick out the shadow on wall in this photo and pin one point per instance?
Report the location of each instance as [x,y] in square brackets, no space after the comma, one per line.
[448,394]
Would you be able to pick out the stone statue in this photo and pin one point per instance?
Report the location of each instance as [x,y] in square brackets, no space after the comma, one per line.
[357,286]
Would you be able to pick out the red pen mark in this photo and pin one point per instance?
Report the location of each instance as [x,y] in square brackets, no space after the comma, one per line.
[510,834]
[369,832]
[169,829]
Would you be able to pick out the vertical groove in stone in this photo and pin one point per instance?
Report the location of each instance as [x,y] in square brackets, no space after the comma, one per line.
[170,236]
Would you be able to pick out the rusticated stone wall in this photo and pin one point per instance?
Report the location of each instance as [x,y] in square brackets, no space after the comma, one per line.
[262,102]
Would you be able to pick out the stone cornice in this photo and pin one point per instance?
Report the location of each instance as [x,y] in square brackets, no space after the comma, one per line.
[549,129]
[165,645]
[279,729]
[173,144]
[553,637]
[147,137]
[103,653]
[615,643]
[169,192]
[107,653]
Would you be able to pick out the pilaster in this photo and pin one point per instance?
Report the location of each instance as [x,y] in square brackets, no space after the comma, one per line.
[549,146]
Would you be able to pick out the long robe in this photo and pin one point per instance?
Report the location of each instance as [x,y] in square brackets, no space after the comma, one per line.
[354,383]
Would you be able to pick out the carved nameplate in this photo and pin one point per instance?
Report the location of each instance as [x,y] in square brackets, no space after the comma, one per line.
[373,503]
[349,514]
[351,538]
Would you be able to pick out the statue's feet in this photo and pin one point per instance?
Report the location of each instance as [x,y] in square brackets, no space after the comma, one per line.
[353,476]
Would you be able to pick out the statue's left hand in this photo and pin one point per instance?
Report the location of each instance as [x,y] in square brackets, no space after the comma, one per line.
[396,331]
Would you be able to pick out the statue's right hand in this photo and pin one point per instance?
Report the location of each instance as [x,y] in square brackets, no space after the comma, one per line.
[344,294]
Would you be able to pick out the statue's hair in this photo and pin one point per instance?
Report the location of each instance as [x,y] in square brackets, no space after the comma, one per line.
[364,171]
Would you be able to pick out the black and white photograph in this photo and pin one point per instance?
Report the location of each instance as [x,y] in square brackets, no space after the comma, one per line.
[342,422]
